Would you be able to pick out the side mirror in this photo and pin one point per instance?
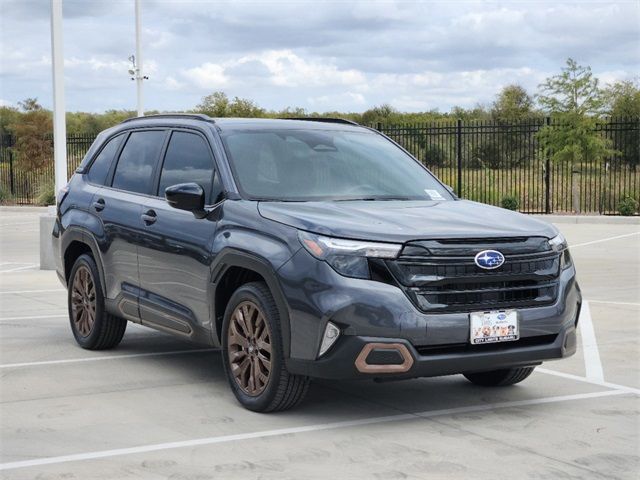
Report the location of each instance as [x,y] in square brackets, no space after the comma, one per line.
[186,196]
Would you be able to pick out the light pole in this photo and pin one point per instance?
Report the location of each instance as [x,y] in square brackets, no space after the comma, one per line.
[137,62]
[59,125]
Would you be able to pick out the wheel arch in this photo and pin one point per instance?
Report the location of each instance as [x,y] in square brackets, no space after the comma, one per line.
[235,268]
[76,242]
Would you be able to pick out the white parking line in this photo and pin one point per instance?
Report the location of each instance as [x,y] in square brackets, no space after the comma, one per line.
[20,269]
[295,430]
[603,240]
[635,304]
[592,362]
[18,292]
[106,357]
[35,317]
[577,378]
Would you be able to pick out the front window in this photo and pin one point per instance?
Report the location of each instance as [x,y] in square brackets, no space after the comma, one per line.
[307,165]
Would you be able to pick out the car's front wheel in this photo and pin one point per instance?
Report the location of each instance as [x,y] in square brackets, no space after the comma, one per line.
[92,327]
[500,378]
[253,355]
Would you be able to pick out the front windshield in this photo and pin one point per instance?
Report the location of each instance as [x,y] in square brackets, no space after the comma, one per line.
[307,165]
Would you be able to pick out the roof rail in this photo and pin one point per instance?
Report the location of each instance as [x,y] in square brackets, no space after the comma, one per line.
[193,116]
[323,119]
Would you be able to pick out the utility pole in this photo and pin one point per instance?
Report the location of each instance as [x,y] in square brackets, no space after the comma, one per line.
[138,61]
[59,123]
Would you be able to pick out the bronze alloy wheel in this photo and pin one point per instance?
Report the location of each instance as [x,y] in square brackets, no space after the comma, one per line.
[249,348]
[83,301]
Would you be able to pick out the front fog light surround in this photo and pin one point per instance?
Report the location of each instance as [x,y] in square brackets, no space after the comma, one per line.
[347,257]
[331,334]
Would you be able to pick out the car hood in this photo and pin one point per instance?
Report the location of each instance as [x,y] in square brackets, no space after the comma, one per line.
[402,221]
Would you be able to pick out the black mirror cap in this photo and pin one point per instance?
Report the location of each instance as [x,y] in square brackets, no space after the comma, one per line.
[185,196]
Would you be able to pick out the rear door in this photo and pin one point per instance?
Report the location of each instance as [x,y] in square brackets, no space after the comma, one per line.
[119,206]
[174,258]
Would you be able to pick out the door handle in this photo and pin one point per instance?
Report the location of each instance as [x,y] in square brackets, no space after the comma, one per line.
[98,205]
[149,217]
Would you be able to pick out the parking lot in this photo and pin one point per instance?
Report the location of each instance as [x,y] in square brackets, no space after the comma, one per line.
[157,407]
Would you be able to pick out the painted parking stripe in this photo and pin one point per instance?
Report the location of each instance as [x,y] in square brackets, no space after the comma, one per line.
[634,304]
[577,378]
[19,292]
[21,269]
[34,317]
[593,242]
[106,357]
[297,430]
[592,362]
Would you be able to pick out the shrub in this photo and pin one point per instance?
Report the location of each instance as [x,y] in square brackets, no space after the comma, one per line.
[5,196]
[510,202]
[46,192]
[628,206]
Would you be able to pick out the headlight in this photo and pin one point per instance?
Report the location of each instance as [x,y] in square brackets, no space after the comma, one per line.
[559,244]
[347,257]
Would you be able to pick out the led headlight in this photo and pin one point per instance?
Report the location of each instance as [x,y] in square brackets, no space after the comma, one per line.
[347,257]
[559,244]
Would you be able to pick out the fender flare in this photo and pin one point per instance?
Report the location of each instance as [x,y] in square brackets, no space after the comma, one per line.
[78,234]
[230,257]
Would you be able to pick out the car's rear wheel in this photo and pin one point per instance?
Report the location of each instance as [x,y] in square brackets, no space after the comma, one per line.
[500,378]
[92,327]
[253,355]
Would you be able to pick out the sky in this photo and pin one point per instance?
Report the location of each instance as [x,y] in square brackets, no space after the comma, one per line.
[321,55]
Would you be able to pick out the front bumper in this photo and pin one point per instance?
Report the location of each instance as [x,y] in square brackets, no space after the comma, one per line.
[370,311]
[341,363]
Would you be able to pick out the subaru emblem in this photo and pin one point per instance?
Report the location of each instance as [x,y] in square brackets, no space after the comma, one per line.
[489,259]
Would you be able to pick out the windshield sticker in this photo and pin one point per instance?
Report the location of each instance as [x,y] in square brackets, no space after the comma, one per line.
[434,194]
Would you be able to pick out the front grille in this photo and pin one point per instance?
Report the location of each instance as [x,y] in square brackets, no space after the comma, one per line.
[441,275]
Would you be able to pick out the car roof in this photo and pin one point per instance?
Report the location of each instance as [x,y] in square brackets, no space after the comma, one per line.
[226,124]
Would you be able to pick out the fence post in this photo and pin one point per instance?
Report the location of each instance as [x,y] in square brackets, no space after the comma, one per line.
[459,155]
[12,186]
[575,188]
[547,177]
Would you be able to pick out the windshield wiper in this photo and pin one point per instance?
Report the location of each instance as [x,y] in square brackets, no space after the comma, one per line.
[374,199]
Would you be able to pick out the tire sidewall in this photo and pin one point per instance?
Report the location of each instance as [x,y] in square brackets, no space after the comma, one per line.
[90,340]
[260,402]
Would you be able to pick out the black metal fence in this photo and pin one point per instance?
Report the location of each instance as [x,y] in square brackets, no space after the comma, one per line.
[488,161]
[485,161]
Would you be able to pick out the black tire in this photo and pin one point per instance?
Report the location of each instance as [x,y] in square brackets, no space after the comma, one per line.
[282,390]
[500,378]
[106,331]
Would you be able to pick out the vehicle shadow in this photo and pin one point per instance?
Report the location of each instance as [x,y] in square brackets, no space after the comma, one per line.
[330,401]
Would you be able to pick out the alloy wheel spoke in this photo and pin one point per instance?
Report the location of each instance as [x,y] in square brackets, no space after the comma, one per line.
[249,348]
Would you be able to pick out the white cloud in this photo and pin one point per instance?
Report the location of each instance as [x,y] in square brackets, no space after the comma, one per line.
[207,76]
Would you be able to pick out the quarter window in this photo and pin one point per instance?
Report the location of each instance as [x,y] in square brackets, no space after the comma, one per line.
[188,159]
[102,163]
[134,171]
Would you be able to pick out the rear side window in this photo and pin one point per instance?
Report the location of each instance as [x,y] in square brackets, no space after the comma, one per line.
[188,159]
[102,163]
[134,171]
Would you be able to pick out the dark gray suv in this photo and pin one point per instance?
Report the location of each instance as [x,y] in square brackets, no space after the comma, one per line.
[306,249]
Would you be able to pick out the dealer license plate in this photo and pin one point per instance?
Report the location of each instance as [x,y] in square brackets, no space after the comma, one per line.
[494,326]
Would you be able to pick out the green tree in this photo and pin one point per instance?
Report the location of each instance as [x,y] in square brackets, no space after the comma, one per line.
[8,116]
[575,100]
[622,99]
[623,102]
[218,104]
[33,148]
[512,103]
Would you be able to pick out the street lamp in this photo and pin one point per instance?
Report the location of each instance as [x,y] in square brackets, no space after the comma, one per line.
[136,62]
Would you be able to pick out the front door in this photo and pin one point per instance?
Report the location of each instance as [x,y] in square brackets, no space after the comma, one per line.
[174,257]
